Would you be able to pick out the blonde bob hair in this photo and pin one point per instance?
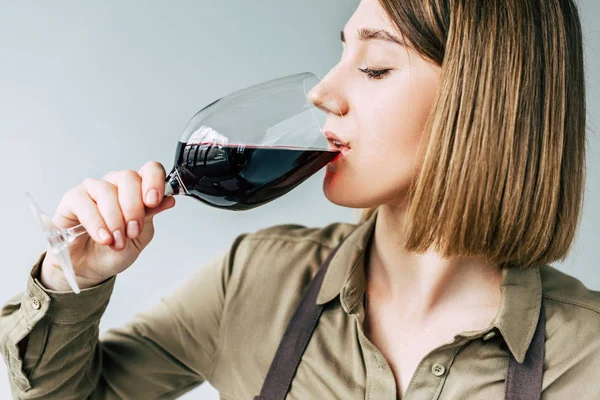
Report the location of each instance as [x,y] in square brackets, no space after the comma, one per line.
[503,170]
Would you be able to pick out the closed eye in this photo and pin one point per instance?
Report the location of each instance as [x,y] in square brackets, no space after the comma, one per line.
[375,73]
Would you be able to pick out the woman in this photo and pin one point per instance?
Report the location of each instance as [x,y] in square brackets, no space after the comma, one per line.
[462,125]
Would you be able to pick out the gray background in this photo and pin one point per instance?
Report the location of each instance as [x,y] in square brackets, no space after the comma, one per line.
[89,87]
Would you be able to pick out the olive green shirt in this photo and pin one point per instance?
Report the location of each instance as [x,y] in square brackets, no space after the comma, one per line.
[225,323]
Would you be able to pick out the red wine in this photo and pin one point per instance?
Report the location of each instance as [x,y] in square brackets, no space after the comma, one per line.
[240,177]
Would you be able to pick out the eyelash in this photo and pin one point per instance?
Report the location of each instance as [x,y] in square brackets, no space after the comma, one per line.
[375,74]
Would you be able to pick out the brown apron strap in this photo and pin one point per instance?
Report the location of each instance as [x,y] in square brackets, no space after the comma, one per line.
[524,381]
[295,339]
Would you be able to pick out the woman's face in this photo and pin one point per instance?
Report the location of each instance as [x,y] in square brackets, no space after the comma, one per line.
[379,115]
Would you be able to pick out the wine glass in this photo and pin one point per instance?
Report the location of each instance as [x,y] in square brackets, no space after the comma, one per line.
[239,152]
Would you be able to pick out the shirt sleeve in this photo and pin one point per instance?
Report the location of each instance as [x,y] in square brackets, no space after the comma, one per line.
[161,353]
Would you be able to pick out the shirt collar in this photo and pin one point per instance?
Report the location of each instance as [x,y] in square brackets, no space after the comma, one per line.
[521,290]
[345,274]
[520,308]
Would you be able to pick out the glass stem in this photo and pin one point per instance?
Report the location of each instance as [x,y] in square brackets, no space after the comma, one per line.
[74,232]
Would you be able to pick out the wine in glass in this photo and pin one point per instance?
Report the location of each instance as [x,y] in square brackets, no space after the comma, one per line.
[240,152]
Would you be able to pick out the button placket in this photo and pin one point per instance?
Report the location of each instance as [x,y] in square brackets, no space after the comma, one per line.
[380,382]
[433,370]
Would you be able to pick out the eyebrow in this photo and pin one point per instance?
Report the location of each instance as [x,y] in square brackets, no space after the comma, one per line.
[366,34]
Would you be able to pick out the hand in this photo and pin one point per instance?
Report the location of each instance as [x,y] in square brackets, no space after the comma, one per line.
[117,211]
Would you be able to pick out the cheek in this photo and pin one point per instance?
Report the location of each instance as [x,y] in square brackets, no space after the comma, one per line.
[395,122]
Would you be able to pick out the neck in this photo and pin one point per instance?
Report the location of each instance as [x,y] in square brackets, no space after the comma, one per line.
[425,283]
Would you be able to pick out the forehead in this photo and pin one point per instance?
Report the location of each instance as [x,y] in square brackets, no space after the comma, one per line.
[369,14]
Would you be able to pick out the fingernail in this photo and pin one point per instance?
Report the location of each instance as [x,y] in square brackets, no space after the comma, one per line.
[152,197]
[103,234]
[133,229]
[119,239]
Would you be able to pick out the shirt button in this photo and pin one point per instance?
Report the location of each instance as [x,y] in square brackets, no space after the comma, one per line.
[438,369]
[35,303]
[489,335]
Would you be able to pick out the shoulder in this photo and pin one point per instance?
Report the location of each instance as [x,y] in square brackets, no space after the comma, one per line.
[328,236]
[283,254]
[572,327]
[283,244]
[269,272]
[560,287]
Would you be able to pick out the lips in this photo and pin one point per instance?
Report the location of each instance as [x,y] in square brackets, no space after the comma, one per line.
[336,143]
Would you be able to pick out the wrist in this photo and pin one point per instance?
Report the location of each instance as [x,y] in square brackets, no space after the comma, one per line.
[53,278]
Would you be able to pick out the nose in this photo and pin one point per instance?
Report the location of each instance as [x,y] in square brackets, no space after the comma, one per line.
[324,98]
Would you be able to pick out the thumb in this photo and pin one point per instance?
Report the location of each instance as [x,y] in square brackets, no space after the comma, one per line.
[165,204]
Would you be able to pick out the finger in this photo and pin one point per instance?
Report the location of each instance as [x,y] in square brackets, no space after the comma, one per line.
[129,190]
[111,177]
[167,203]
[153,183]
[106,197]
[78,206]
